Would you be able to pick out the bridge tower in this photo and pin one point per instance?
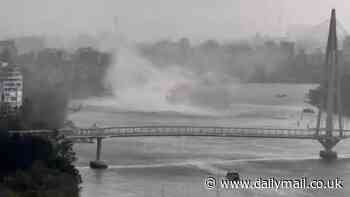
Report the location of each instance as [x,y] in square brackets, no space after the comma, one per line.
[330,96]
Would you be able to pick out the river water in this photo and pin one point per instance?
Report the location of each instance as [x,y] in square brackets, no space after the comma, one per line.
[177,166]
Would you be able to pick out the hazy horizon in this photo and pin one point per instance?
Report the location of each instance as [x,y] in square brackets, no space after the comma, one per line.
[158,19]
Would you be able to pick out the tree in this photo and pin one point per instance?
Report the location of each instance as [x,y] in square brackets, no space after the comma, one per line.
[315,95]
[38,166]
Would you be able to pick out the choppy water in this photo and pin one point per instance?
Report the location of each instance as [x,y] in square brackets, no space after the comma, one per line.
[177,166]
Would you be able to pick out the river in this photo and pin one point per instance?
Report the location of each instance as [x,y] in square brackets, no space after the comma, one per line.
[177,166]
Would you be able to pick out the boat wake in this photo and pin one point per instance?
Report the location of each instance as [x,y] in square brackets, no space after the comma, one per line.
[217,167]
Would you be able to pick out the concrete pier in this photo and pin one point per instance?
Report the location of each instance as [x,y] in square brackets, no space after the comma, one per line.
[328,143]
[98,164]
[328,155]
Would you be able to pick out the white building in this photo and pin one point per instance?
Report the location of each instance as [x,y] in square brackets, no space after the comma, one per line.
[11,88]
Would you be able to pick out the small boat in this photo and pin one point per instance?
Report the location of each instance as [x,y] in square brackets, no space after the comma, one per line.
[308,110]
[98,164]
[281,95]
[232,176]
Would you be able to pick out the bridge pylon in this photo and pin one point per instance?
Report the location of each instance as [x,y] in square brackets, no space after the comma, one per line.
[330,95]
[98,163]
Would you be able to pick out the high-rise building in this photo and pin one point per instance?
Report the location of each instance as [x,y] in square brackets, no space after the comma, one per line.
[11,88]
[11,80]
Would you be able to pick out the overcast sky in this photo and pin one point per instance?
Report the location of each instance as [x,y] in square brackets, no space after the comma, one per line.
[154,19]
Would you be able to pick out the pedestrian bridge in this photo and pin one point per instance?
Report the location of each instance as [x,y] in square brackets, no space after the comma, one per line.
[159,131]
[153,131]
[98,134]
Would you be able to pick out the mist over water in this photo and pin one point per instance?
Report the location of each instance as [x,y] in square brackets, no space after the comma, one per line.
[139,85]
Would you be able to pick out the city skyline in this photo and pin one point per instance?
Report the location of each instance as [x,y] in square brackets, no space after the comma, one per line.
[157,19]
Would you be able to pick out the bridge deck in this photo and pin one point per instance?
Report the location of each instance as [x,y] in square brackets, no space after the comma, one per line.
[145,131]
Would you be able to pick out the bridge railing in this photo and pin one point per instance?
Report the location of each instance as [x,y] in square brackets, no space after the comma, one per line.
[183,130]
[188,131]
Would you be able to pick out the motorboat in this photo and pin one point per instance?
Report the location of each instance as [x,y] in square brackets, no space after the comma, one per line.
[232,176]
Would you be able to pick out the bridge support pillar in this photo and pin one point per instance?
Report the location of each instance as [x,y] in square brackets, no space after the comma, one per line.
[328,143]
[98,164]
